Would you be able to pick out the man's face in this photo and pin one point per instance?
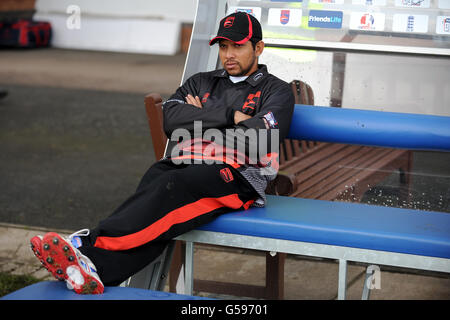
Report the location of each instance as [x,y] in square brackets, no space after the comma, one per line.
[239,59]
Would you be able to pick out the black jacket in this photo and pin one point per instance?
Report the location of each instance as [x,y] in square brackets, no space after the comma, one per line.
[261,95]
[221,97]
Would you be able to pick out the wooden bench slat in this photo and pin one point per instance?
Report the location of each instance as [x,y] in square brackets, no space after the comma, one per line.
[333,180]
[357,175]
[313,175]
[368,177]
[324,150]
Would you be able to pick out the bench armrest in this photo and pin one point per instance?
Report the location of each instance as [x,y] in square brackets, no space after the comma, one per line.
[153,107]
[283,185]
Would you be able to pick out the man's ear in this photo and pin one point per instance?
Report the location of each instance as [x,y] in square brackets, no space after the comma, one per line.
[259,48]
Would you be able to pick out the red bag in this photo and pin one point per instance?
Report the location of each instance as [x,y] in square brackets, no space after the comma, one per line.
[25,34]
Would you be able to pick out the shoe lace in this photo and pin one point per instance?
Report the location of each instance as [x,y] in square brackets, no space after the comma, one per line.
[86,263]
[82,233]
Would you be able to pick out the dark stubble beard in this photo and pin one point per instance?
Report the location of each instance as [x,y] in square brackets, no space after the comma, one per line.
[244,72]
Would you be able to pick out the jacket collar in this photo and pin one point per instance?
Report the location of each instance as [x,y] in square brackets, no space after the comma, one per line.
[252,79]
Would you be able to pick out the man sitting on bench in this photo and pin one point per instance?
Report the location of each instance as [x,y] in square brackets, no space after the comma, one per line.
[198,179]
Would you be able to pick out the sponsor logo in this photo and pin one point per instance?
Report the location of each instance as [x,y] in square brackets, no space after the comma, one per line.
[285,17]
[254,11]
[251,101]
[413,3]
[257,76]
[228,22]
[205,97]
[367,21]
[443,25]
[446,24]
[273,123]
[226,175]
[410,23]
[325,19]
[246,10]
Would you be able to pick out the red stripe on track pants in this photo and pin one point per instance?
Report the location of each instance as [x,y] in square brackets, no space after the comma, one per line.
[170,200]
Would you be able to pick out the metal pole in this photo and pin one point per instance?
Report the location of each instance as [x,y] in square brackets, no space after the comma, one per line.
[342,284]
[189,268]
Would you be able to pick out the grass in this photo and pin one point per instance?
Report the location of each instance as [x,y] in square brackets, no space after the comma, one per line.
[10,282]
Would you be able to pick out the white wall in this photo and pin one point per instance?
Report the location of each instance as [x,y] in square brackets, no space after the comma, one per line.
[141,26]
[180,10]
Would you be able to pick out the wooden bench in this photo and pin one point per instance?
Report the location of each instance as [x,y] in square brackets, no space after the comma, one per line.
[320,170]
[337,171]
[307,169]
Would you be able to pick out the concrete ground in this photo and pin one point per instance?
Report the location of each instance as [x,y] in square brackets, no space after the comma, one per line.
[74,143]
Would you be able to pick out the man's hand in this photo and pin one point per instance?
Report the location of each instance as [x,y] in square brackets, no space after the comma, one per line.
[240,116]
[194,101]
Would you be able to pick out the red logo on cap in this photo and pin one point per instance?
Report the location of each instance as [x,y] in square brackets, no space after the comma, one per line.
[228,22]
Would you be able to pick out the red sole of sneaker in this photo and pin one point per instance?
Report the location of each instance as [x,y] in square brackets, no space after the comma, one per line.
[57,255]
[36,247]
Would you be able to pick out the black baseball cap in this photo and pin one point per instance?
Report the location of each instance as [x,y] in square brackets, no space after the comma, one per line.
[238,27]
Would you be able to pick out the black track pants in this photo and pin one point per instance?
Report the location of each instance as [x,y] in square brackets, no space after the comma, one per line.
[170,200]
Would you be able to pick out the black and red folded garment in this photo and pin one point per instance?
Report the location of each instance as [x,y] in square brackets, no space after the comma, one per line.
[25,34]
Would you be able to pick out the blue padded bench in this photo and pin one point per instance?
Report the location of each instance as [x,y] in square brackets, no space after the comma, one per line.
[56,290]
[336,230]
[342,224]
[339,230]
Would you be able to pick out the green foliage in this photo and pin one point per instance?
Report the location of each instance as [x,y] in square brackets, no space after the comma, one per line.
[10,283]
